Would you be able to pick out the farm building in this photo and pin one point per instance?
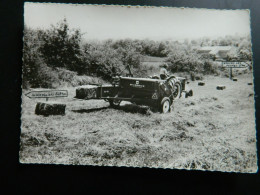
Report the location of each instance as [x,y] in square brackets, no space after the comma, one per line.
[218,53]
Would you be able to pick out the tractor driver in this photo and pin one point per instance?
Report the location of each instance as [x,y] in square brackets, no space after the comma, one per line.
[163,71]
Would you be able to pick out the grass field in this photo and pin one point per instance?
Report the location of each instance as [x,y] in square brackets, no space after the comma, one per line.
[213,130]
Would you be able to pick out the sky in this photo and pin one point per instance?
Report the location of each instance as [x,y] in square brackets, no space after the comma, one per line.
[119,22]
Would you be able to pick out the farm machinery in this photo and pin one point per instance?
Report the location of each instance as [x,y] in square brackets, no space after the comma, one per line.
[153,92]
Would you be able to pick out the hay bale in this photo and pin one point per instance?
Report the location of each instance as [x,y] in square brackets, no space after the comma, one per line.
[221,87]
[201,83]
[50,108]
[198,77]
[250,83]
[234,79]
[86,92]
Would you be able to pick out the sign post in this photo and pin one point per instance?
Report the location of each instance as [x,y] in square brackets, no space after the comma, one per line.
[231,65]
[230,74]
[47,94]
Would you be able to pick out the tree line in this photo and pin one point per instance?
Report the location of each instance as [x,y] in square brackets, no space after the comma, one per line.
[61,48]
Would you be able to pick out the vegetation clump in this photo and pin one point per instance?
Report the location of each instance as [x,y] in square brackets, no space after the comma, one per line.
[60,56]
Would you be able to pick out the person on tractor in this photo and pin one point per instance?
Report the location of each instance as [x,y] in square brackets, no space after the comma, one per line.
[163,72]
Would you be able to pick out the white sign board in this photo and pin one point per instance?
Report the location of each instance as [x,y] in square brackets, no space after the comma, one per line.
[47,94]
[234,64]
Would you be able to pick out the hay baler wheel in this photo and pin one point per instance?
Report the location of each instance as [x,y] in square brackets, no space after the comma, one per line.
[165,105]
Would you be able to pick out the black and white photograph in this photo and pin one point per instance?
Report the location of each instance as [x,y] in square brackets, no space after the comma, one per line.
[138,86]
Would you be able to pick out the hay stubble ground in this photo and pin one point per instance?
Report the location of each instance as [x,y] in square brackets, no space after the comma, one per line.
[213,130]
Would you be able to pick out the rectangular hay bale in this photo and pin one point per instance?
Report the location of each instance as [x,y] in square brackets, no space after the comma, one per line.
[50,108]
[221,87]
[201,83]
[86,92]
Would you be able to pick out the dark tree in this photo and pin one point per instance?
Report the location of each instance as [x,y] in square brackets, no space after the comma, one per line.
[61,47]
[32,42]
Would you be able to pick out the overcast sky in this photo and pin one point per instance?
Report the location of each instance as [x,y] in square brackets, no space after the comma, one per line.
[116,22]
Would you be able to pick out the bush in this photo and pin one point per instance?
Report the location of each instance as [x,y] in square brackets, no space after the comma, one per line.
[31,58]
[108,59]
[181,60]
[47,78]
[209,67]
[184,59]
[61,47]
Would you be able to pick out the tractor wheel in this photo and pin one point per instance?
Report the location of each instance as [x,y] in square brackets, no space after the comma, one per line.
[165,105]
[114,103]
[177,90]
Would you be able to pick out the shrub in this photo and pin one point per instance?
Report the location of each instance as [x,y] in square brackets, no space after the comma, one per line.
[209,67]
[31,58]
[61,47]
[47,78]
[181,60]
[108,59]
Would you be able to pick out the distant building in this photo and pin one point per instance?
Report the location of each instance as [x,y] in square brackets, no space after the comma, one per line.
[218,53]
